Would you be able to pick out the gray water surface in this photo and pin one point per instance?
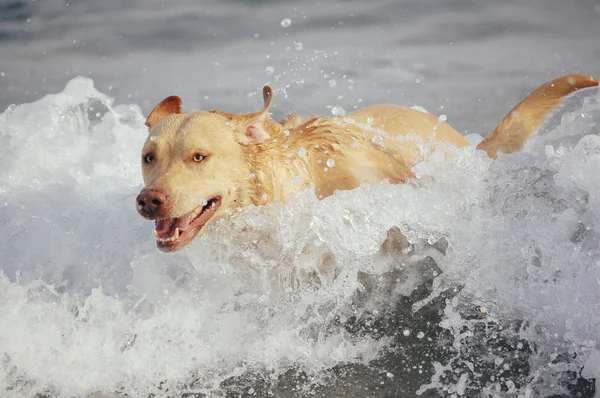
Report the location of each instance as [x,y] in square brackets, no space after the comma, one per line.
[471,60]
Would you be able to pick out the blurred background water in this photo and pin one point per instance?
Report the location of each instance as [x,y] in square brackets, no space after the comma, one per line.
[469,59]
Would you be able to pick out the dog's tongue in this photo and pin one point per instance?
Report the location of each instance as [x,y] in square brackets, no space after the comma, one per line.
[166,228]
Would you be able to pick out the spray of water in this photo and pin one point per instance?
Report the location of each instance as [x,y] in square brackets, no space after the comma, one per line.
[88,304]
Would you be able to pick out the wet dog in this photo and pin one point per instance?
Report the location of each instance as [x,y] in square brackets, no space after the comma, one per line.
[199,167]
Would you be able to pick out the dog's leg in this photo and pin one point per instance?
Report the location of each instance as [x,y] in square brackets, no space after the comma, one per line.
[529,115]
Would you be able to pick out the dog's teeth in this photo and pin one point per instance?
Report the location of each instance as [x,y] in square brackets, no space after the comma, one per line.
[155,232]
[171,239]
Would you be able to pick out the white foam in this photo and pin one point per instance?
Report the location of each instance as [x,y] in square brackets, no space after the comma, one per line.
[82,276]
[88,304]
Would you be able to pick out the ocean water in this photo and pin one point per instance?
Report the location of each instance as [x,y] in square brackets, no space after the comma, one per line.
[494,291]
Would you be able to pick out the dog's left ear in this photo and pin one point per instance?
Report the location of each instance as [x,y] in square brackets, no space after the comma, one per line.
[255,131]
[166,107]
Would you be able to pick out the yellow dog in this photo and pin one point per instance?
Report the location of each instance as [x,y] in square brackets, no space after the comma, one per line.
[199,166]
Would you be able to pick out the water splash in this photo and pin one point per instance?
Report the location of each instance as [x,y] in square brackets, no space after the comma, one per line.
[88,304]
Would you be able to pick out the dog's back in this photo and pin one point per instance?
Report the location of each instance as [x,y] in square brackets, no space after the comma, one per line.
[407,130]
[410,128]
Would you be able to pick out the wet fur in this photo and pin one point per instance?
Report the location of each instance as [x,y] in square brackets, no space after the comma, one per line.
[250,159]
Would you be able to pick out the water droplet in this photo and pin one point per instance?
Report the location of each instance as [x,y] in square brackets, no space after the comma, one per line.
[298,46]
[442,118]
[332,83]
[286,132]
[420,335]
[338,111]
[406,332]
[302,152]
[286,22]
[330,163]
[264,196]
[203,202]
[153,138]
[2,74]
[269,70]
[297,180]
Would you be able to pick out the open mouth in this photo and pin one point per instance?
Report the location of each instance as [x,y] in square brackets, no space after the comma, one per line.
[174,233]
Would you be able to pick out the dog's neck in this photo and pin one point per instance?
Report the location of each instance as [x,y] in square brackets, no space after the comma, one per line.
[327,153]
[283,164]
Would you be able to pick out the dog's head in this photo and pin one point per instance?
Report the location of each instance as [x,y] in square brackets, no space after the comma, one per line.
[196,167]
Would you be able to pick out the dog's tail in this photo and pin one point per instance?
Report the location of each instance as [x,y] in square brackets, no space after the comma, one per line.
[529,115]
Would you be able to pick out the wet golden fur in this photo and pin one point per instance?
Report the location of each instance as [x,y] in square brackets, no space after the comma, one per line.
[249,159]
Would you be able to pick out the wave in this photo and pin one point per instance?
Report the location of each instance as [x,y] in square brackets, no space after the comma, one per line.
[485,280]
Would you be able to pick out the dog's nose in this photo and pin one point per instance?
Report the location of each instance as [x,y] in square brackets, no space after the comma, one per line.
[149,202]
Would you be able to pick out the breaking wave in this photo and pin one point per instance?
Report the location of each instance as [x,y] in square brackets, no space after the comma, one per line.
[484,282]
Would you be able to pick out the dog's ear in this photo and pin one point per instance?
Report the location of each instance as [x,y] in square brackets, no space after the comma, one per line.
[166,107]
[267,97]
[255,131]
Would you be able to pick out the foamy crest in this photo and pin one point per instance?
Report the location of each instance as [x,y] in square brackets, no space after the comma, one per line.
[89,304]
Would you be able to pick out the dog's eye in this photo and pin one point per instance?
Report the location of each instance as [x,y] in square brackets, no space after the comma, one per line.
[198,158]
[149,158]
